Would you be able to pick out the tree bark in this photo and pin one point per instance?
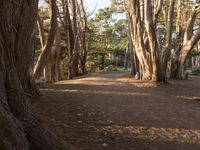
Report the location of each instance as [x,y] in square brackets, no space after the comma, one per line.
[43,58]
[131,49]
[20,128]
[144,38]
[41,32]
[83,27]
[55,59]
[137,27]
[190,39]
[52,68]
[24,22]
[168,45]
[179,39]
[76,49]
[12,135]
[70,36]
[157,74]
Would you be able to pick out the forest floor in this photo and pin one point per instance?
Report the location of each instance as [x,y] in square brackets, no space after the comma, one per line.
[112,111]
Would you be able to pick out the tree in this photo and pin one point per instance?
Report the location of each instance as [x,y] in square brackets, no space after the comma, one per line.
[44,56]
[72,34]
[168,44]
[52,70]
[150,31]
[190,39]
[144,38]
[25,40]
[20,127]
[83,29]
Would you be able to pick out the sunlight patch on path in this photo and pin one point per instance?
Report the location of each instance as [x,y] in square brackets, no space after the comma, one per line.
[154,133]
[189,97]
[122,81]
[98,92]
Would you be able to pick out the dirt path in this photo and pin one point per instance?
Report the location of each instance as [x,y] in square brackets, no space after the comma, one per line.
[114,112]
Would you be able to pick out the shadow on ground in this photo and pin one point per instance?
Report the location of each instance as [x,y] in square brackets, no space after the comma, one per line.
[115,112]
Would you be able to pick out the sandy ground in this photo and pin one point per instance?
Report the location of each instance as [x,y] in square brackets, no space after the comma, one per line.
[115,112]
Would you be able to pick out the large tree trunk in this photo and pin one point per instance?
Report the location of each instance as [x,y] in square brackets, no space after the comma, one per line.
[70,36]
[133,61]
[12,135]
[76,43]
[20,128]
[83,27]
[137,39]
[144,38]
[24,24]
[157,74]
[179,39]
[168,45]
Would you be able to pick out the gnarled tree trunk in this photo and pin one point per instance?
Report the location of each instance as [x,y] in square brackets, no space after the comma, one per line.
[24,24]
[137,38]
[157,74]
[20,128]
[144,38]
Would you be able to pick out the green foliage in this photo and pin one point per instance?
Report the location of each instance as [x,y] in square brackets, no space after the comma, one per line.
[119,6]
[196,72]
[108,62]
[194,53]
[108,36]
[119,52]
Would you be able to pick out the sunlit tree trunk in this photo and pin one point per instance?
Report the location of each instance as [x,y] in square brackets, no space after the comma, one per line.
[52,69]
[41,31]
[157,74]
[55,59]
[43,58]
[137,38]
[168,45]
[144,38]
[190,39]
[179,39]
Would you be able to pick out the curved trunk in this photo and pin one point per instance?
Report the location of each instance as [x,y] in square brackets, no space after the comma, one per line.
[43,58]
[191,38]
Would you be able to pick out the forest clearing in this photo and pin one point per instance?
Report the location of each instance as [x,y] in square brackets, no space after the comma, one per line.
[99,74]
